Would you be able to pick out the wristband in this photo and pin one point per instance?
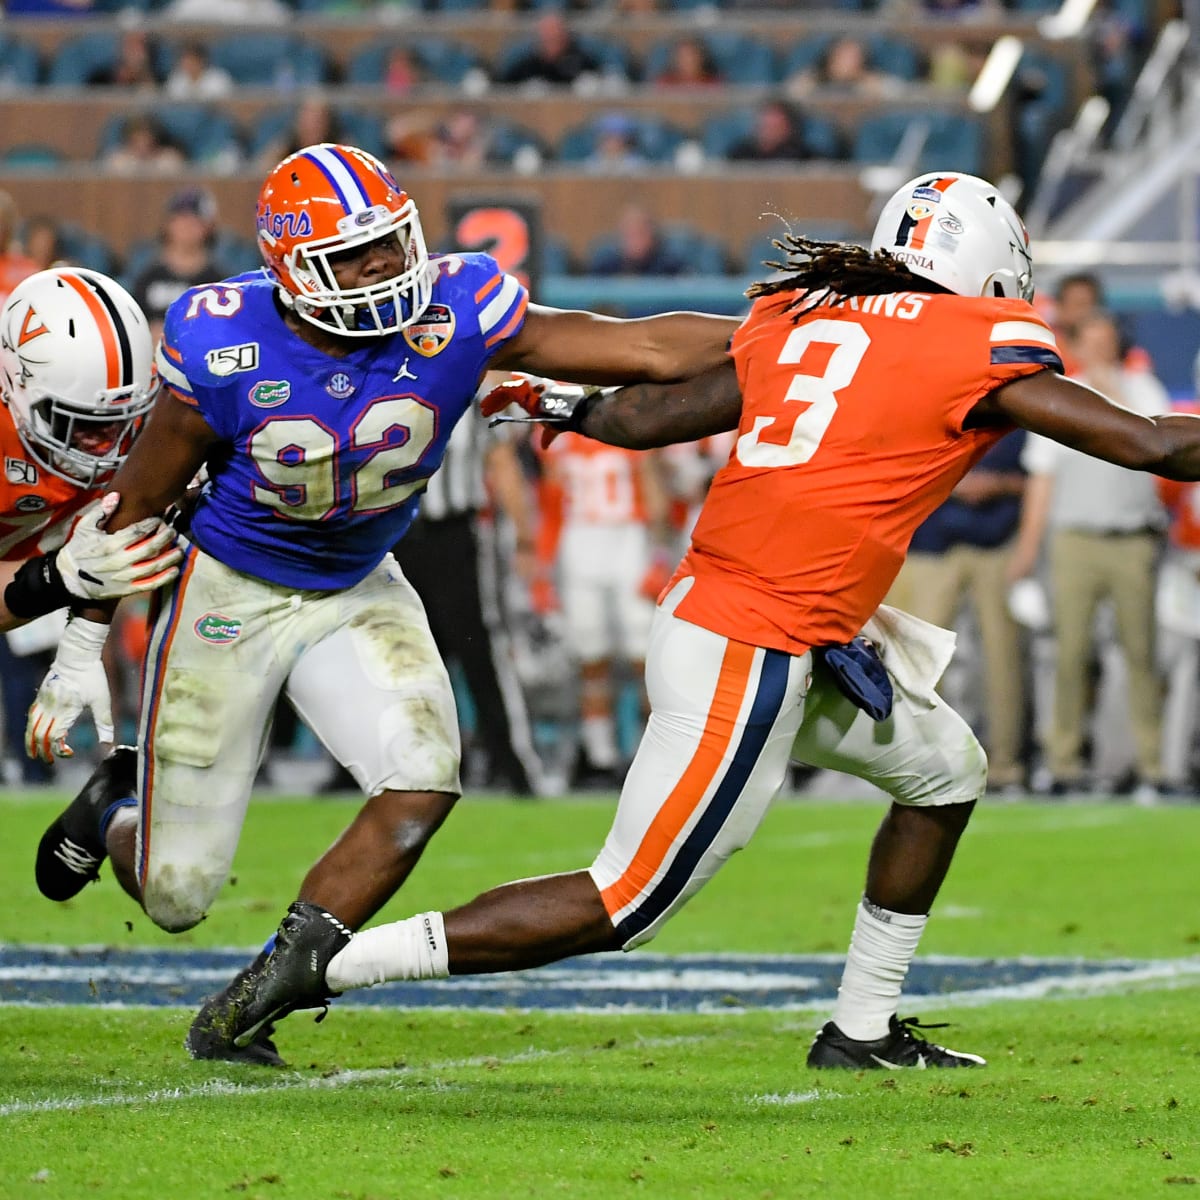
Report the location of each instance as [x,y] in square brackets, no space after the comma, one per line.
[579,414]
[37,589]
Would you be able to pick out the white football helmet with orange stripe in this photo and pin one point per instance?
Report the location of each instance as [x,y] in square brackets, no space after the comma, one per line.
[327,200]
[958,231]
[76,371]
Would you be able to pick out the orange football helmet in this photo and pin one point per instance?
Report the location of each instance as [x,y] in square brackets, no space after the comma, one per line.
[324,200]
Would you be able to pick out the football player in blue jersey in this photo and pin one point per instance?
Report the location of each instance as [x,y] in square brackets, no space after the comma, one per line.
[319,394]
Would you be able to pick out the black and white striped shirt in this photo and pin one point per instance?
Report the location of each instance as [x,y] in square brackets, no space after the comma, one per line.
[457,487]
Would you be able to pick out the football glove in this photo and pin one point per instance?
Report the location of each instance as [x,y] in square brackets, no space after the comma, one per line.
[557,406]
[76,680]
[95,565]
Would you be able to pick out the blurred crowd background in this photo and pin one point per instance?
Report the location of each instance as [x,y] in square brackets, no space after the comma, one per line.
[635,156]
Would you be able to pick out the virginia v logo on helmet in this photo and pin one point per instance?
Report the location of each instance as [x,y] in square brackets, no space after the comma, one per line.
[76,370]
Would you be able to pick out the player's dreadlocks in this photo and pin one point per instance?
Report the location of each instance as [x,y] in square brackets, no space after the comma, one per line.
[816,269]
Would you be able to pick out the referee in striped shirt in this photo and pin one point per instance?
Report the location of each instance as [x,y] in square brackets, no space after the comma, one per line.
[453,566]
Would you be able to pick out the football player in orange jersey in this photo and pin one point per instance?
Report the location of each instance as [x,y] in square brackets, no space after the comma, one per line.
[77,379]
[863,385]
[606,521]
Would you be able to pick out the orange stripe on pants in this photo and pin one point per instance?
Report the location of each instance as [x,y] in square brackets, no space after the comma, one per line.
[679,806]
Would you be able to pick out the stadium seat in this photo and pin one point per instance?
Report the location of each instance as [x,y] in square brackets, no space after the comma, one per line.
[203,134]
[257,59]
[655,139]
[84,248]
[357,128]
[139,256]
[954,141]
[889,55]
[721,133]
[506,138]
[444,61]
[556,256]
[31,156]
[19,66]
[704,254]
[236,254]
[739,57]
[81,57]
[759,249]
[613,57]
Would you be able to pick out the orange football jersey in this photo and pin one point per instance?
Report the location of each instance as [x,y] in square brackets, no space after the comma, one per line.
[851,435]
[600,483]
[36,508]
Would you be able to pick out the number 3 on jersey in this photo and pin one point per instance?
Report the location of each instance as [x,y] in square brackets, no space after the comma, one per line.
[297,458]
[792,435]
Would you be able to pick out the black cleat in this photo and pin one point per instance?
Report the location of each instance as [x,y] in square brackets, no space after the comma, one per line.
[237,1022]
[71,850]
[208,1039]
[903,1047]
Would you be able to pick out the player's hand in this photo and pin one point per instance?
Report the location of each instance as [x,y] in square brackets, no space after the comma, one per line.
[75,681]
[544,402]
[525,391]
[95,565]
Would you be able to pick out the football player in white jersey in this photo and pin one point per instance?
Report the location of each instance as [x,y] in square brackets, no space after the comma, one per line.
[77,380]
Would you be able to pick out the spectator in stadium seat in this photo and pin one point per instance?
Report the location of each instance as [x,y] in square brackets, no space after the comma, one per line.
[778,135]
[410,137]
[844,68]
[616,151]
[144,146]
[42,241]
[691,65]
[14,266]
[461,140]
[402,71]
[555,58]
[638,248]
[315,122]
[1105,528]
[185,256]
[195,77]
[134,66]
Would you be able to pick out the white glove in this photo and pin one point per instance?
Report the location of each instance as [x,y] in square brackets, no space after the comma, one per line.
[95,565]
[75,681]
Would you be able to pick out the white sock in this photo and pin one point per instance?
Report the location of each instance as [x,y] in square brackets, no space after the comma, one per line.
[600,741]
[881,948]
[412,949]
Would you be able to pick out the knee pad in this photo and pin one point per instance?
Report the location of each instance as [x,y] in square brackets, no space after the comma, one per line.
[178,899]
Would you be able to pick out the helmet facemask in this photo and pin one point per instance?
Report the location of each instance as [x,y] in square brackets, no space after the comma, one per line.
[374,309]
[84,444]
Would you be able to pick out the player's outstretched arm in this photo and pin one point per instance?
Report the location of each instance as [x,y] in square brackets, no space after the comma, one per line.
[1082,418]
[644,416]
[588,348]
[163,461]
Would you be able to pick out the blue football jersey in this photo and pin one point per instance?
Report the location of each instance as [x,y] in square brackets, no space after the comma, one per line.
[322,460]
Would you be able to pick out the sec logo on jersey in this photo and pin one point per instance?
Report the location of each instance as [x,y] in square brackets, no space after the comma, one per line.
[432,334]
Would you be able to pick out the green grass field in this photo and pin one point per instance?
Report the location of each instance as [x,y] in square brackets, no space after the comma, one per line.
[1089,1093]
